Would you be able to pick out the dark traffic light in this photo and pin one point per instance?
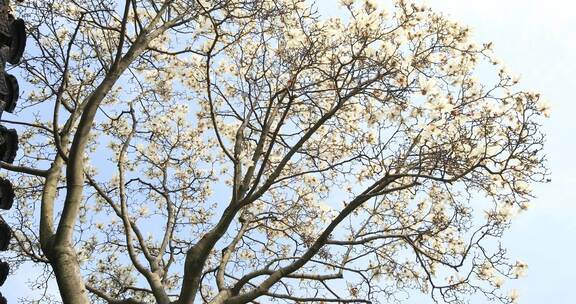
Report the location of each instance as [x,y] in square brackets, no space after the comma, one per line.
[9,92]
[13,35]
[5,235]
[8,144]
[4,270]
[6,194]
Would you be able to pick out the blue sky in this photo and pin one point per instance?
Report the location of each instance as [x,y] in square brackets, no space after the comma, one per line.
[537,40]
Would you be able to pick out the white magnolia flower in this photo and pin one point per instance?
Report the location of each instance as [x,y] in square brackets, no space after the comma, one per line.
[346,2]
[522,186]
[543,107]
[371,4]
[246,254]
[401,36]
[440,104]
[427,85]
[513,295]
[498,281]
[519,269]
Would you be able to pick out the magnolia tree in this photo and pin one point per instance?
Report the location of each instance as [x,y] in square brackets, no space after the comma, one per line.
[254,151]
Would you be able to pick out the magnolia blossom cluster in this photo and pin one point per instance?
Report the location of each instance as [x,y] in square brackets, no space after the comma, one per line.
[365,151]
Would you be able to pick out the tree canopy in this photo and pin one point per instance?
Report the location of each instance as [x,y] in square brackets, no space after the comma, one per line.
[251,151]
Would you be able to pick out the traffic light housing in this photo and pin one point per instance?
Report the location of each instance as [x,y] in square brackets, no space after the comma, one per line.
[14,36]
[4,270]
[12,45]
[6,194]
[17,40]
[5,235]
[8,144]
[9,92]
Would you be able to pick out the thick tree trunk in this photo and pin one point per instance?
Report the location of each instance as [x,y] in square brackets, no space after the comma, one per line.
[197,255]
[67,270]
